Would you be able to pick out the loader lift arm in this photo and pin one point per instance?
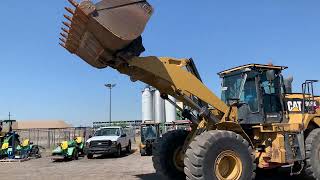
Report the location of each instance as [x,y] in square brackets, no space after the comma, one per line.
[95,35]
[168,75]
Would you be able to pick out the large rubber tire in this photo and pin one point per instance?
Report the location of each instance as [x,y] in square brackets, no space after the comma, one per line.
[35,152]
[206,150]
[163,152]
[312,144]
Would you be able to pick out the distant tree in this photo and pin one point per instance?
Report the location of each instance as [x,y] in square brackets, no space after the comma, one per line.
[121,124]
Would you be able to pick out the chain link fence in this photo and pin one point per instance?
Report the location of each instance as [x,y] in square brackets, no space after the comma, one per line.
[49,138]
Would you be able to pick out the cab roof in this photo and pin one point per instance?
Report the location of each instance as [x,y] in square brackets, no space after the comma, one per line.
[252,66]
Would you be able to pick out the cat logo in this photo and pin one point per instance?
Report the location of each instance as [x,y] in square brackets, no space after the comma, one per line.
[294,106]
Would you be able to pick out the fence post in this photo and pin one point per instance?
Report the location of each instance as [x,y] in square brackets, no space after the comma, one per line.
[38,137]
[48,138]
[54,136]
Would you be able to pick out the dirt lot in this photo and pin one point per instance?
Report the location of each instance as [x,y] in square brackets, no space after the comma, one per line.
[128,167]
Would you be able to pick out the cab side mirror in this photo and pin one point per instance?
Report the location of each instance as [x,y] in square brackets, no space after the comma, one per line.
[90,136]
[124,135]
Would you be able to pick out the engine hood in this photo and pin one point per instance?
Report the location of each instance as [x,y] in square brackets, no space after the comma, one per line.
[103,138]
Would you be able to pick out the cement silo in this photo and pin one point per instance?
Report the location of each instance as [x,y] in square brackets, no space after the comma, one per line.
[170,110]
[159,113]
[147,104]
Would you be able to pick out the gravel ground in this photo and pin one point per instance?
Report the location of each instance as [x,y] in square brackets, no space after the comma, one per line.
[128,167]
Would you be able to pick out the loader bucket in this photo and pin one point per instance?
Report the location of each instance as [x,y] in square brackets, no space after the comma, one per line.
[98,32]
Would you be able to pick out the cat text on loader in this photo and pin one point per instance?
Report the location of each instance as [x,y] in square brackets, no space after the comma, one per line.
[258,122]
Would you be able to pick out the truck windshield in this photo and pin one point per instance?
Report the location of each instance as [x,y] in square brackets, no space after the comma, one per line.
[232,87]
[107,132]
[148,132]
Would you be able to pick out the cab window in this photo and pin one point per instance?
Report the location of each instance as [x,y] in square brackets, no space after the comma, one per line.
[249,95]
[270,92]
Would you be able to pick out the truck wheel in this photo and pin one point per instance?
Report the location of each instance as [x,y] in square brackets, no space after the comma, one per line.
[118,153]
[312,168]
[149,151]
[90,156]
[75,155]
[142,152]
[219,155]
[128,148]
[167,156]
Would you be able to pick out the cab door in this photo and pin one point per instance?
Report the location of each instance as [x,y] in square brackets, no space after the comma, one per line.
[250,111]
[123,138]
[271,96]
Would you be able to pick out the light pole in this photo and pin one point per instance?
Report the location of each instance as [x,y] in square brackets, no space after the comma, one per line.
[110,86]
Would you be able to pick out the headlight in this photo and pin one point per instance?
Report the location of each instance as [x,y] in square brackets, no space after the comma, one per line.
[114,143]
[87,144]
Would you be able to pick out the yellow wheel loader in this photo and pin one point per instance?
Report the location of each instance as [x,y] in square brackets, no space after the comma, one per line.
[150,132]
[258,122]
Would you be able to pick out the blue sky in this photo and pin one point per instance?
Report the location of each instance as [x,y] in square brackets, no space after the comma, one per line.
[41,80]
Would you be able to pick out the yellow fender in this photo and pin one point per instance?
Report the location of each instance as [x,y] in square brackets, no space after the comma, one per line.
[64,145]
[78,140]
[25,143]
[142,146]
[5,146]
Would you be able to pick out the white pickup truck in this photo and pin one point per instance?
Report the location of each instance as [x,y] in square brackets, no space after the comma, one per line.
[108,140]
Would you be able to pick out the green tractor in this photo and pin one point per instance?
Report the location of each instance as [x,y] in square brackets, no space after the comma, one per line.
[9,144]
[9,140]
[27,150]
[69,150]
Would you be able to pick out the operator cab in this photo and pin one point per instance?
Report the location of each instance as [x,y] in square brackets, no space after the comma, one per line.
[258,91]
[149,131]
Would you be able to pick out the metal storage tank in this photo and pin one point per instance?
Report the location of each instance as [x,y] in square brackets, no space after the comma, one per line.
[170,110]
[159,113]
[147,104]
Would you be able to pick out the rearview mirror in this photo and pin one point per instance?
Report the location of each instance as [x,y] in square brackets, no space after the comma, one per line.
[271,75]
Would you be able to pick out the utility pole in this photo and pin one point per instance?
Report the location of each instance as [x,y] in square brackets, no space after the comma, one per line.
[110,86]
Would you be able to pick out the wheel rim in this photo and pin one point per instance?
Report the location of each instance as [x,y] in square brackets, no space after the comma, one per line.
[178,159]
[228,166]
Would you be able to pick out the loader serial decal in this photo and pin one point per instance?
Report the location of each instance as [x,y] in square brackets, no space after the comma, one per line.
[296,105]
